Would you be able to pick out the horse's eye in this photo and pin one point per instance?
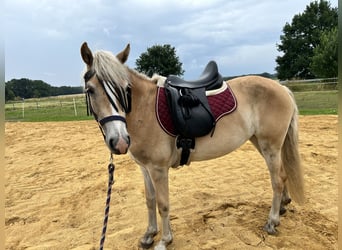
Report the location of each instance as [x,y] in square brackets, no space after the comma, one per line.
[89,90]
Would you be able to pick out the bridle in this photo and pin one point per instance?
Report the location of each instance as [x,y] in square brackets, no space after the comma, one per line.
[126,105]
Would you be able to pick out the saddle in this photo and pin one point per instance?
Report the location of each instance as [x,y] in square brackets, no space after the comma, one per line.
[188,102]
[189,107]
[210,79]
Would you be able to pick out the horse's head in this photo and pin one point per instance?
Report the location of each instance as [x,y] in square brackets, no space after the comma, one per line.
[108,95]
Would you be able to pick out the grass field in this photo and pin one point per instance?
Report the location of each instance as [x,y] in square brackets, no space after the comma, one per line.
[60,108]
[73,107]
[317,102]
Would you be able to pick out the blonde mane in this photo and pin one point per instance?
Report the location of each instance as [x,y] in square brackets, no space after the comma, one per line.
[114,77]
[110,70]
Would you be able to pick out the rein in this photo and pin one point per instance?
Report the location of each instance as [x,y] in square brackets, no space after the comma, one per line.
[111,168]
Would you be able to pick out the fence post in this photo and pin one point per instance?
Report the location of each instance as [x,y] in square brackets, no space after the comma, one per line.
[23,108]
[75,106]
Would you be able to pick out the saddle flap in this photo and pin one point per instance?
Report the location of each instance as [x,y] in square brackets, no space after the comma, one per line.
[190,111]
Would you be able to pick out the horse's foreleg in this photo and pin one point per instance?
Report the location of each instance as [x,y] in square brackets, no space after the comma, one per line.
[273,161]
[160,178]
[147,240]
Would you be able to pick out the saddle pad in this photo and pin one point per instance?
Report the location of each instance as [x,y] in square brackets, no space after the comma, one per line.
[220,104]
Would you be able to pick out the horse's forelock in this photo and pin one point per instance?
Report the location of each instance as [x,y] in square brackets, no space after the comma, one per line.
[109,69]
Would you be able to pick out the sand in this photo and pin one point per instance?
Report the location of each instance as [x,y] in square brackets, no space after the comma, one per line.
[56,181]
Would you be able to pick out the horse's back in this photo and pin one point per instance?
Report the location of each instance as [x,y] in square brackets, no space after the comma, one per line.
[265,96]
[257,87]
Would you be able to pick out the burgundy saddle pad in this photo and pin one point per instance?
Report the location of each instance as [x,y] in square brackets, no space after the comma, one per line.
[221,104]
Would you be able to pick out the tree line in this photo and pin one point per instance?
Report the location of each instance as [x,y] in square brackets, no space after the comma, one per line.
[26,88]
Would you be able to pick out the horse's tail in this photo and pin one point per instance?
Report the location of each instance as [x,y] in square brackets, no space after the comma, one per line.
[291,158]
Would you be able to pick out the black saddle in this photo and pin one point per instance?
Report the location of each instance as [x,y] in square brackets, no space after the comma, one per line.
[210,79]
[189,107]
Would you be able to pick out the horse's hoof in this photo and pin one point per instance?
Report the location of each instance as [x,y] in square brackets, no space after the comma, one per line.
[160,246]
[146,244]
[270,229]
[282,211]
[147,240]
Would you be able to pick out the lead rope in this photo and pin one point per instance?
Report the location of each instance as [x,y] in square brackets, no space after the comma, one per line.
[111,169]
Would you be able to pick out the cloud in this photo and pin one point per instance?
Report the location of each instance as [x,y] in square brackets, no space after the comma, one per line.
[55,34]
[240,34]
[258,57]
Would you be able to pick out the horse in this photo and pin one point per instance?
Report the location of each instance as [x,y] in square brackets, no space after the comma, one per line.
[123,102]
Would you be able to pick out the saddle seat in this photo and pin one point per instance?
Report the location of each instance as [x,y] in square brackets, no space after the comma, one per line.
[210,79]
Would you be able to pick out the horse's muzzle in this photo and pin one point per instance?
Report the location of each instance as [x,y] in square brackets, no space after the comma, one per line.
[119,145]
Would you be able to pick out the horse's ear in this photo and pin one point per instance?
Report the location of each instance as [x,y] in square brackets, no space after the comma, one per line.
[123,55]
[86,54]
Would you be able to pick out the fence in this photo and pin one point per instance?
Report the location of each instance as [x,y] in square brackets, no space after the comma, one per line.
[58,108]
[316,96]
[311,84]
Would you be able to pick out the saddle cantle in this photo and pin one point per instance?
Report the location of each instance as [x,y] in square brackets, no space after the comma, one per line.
[210,79]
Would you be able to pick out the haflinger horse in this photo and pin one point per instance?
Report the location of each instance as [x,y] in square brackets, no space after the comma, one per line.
[123,102]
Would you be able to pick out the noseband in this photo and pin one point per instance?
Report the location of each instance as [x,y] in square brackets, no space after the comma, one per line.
[127,107]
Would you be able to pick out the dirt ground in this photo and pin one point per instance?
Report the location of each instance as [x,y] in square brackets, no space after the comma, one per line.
[56,181]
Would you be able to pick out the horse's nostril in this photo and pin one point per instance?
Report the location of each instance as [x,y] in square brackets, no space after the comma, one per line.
[112,143]
[119,145]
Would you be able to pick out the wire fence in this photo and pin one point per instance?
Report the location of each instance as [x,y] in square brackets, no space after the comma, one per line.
[314,95]
[311,84]
[51,109]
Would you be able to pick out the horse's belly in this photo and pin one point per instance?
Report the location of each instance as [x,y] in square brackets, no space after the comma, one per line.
[230,133]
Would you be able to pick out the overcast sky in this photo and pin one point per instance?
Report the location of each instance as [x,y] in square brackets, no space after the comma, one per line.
[43,38]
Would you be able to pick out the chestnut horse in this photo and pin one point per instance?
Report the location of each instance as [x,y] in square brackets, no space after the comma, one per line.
[123,102]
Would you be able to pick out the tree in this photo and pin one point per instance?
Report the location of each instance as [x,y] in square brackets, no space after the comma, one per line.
[324,61]
[26,88]
[9,94]
[301,37]
[159,59]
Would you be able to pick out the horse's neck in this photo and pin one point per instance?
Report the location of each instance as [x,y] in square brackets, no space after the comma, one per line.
[143,127]
[143,93]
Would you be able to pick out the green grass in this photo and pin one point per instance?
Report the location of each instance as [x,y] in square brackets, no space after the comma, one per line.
[317,102]
[45,114]
[61,108]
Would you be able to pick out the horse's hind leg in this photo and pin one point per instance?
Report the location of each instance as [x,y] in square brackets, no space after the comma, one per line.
[147,240]
[272,156]
[285,200]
